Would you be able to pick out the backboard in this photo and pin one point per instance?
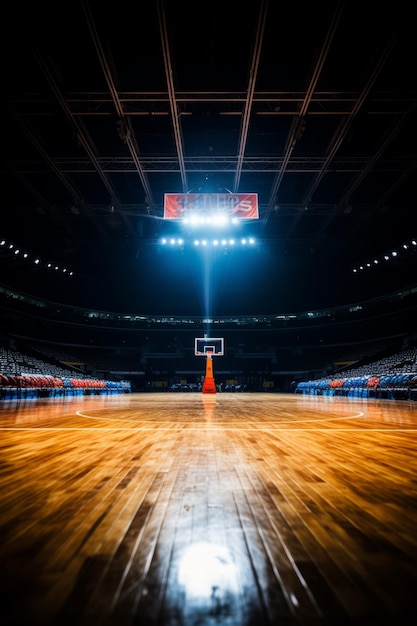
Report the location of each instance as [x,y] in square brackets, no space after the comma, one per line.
[206,345]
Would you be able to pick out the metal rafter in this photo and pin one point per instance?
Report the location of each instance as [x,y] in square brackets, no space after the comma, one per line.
[81,136]
[59,173]
[57,215]
[129,135]
[253,73]
[298,121]
[339,138]
[171,94]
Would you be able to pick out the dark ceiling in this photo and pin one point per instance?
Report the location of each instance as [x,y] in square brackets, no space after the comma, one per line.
[108,106]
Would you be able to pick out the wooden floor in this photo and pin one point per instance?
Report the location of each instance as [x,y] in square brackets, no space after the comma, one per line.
[189,509]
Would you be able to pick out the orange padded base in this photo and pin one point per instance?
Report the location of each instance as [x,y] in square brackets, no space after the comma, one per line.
[209,385]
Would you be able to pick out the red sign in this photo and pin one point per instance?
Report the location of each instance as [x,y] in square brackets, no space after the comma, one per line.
[182,205]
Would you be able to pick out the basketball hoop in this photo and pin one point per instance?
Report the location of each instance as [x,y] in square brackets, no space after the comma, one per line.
[209,347]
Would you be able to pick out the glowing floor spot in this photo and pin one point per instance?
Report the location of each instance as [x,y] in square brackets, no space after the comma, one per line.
[207,571]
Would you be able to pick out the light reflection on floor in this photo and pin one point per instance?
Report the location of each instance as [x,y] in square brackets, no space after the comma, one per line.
[208,580]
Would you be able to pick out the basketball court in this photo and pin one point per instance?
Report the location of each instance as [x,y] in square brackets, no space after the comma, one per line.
[169,508]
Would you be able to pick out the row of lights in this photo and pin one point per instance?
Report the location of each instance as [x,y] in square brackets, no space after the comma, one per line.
[221,243]
[405,248]
[216,219]
[16,252]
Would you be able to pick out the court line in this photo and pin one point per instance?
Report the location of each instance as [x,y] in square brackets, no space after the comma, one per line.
[174,429]
[314,421]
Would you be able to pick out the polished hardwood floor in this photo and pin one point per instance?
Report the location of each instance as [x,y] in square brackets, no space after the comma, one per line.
[197,510]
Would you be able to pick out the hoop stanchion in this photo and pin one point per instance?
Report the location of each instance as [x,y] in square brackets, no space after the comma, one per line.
[209,347]
[209,385]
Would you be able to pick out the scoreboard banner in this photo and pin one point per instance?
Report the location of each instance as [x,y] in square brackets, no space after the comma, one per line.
[239,205]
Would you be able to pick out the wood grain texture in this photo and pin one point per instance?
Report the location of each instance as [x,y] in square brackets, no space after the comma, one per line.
[182,510]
